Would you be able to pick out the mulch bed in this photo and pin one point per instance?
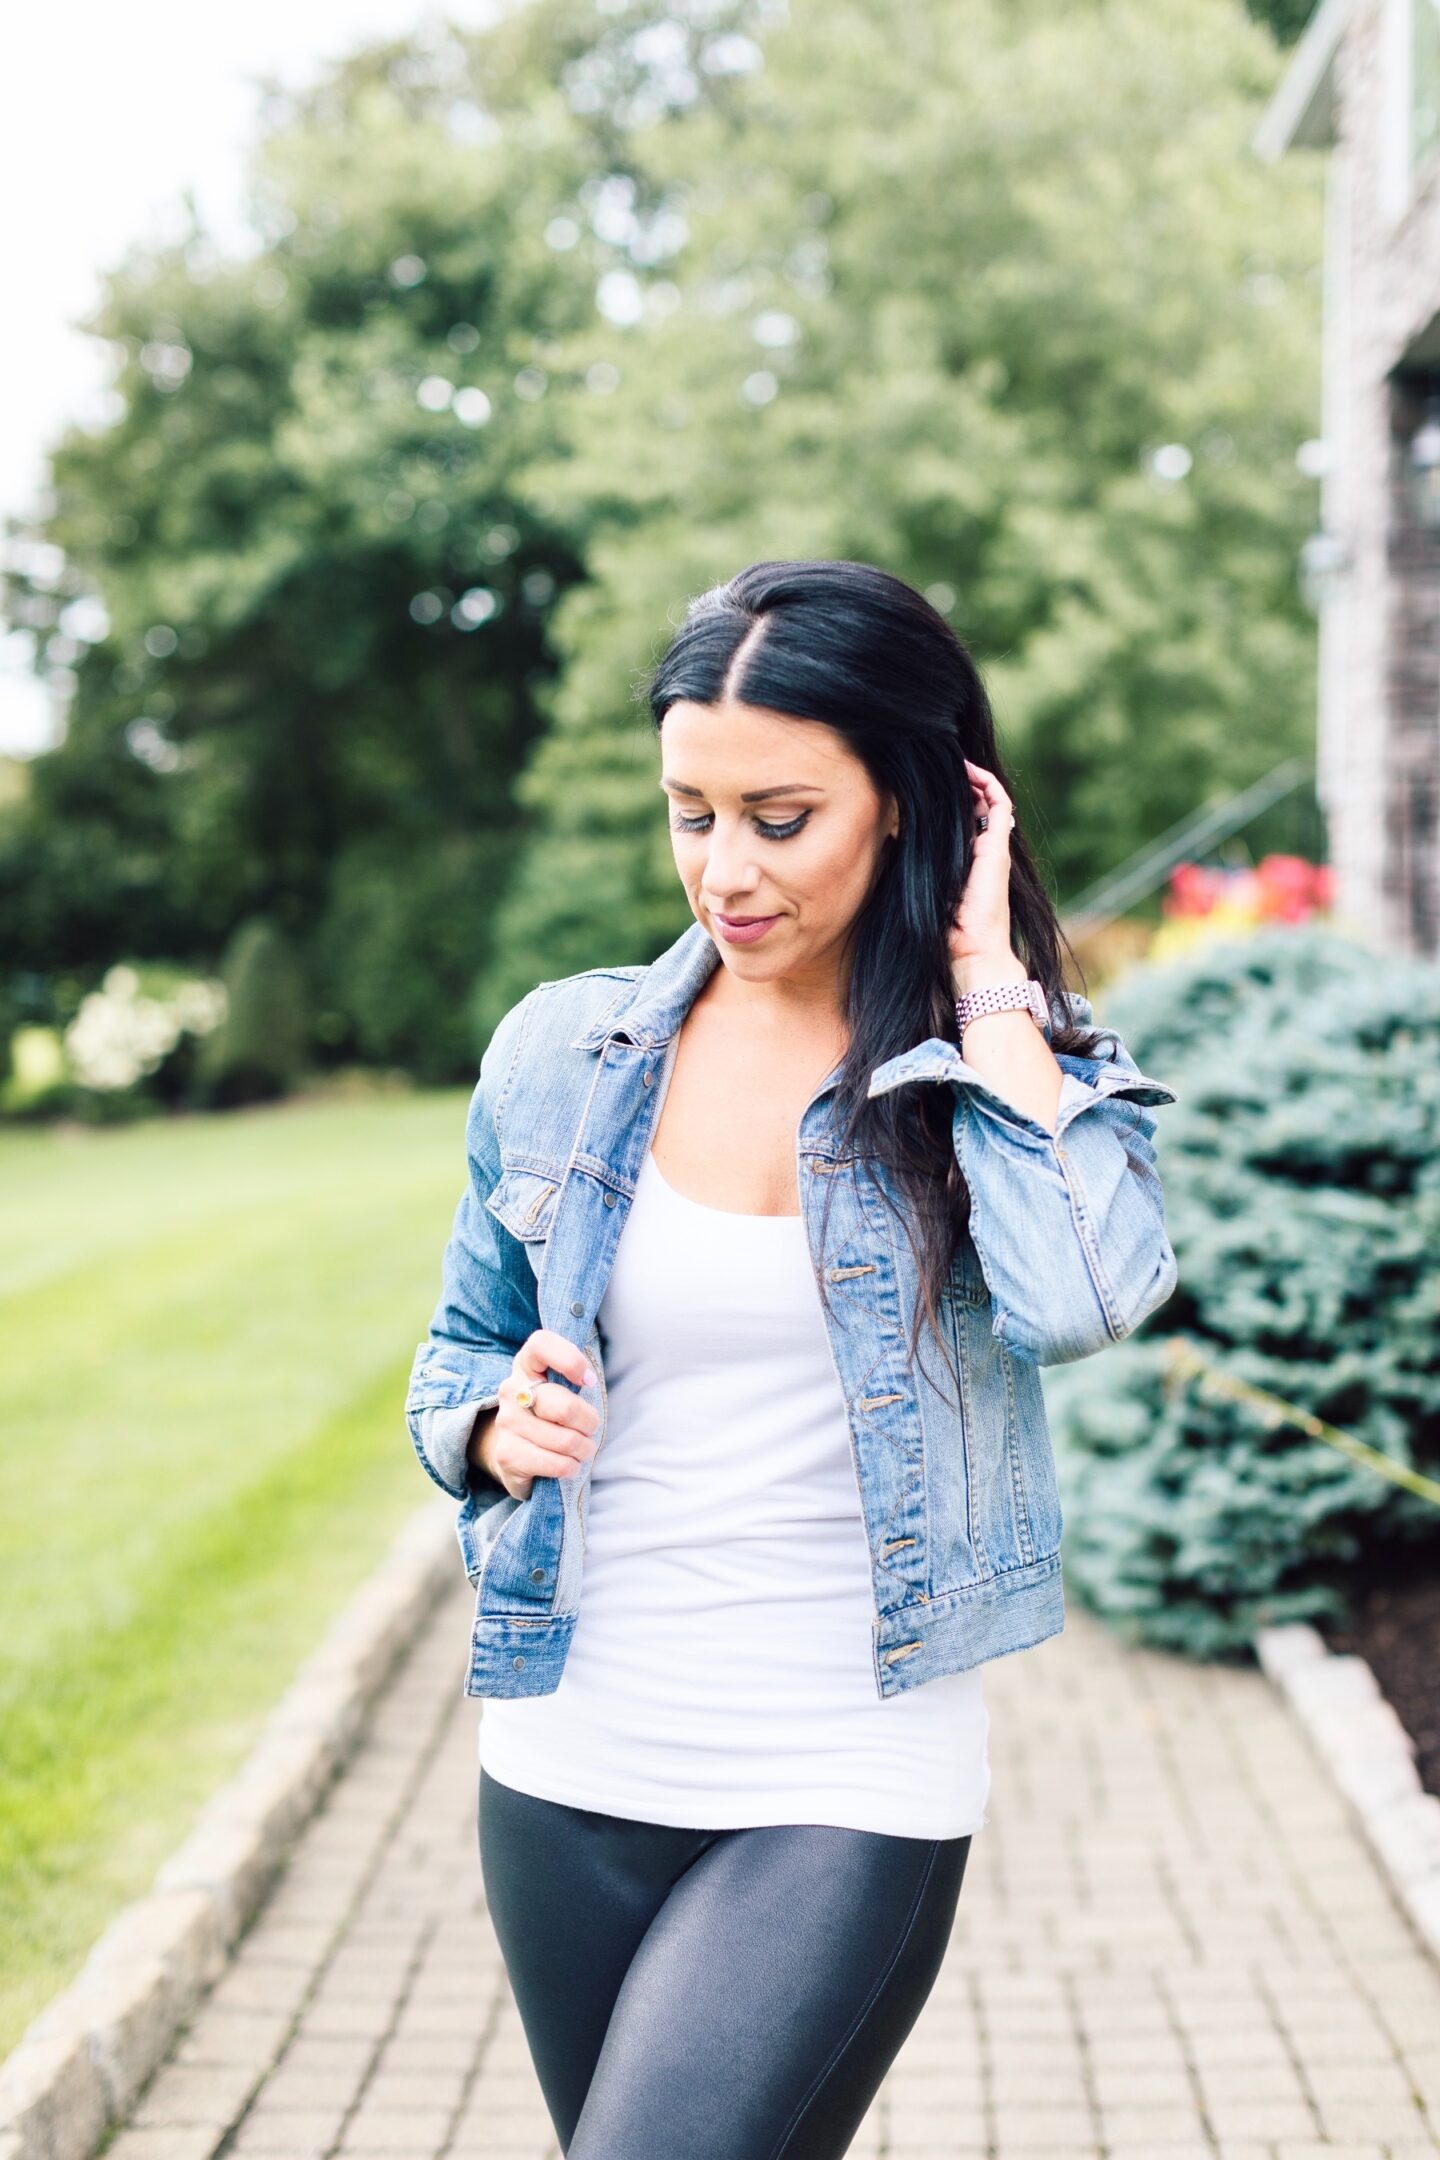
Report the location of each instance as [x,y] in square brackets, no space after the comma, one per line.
[1397,1631]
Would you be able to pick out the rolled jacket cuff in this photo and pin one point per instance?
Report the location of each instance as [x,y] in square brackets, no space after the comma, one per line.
[443,1438]
[936,1059]
[448,1390]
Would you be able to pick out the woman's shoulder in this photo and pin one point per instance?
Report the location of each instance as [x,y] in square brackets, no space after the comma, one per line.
[580,998]
[547,1019]
[579,985]
[536,1066]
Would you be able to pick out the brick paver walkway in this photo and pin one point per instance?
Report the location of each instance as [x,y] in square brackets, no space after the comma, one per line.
[1171,1943]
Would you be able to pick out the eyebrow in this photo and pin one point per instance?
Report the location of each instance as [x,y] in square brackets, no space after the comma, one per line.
[796,787]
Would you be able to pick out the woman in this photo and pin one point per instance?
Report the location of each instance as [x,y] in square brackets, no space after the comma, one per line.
[785,1222]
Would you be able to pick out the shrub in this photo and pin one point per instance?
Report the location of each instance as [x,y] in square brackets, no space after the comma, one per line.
[129,1047]
[1302,1177]
[259,1049]
[125,1031]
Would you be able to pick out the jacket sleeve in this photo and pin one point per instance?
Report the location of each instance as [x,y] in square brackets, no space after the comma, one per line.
[487,1305]
[1069,1226]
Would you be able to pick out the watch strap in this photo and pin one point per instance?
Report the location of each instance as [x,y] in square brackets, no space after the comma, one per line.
[1004,997]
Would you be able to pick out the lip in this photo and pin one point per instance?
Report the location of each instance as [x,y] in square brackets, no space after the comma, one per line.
[744,930]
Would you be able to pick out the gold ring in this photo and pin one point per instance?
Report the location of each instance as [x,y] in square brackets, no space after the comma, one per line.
[524,1398]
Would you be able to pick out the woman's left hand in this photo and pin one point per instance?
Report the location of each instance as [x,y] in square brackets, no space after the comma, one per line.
[980,948]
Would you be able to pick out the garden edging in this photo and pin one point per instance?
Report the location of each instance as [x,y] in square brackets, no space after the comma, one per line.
[82,2062]
[1371,1758]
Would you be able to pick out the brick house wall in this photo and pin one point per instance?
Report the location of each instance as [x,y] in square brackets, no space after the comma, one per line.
[1355,90]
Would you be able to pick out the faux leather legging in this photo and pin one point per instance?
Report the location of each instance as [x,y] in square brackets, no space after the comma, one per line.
[711,1994]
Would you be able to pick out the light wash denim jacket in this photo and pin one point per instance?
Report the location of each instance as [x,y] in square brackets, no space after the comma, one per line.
[1066,1252]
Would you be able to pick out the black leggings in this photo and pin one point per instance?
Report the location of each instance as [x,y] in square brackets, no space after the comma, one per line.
[711,1994]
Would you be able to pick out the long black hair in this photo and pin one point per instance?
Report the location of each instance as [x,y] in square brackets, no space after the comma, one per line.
[863,652]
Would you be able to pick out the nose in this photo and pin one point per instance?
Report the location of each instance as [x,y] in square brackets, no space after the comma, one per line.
[730,867]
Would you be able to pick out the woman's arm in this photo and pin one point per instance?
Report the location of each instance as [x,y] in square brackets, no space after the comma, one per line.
[1006,1048]
[1066,1209]
[487,1305]
[1068,1222]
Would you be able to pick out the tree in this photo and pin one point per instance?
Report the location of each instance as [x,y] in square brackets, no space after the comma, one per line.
[390,519]
[300,590]
[1015,312]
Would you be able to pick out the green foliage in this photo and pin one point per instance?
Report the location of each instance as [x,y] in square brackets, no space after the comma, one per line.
[390,518]
[942,301]
[1302,1179]
[395,951]
[130,1047]
[324,600]
[1285,18]
[34,1081]
[259,1049]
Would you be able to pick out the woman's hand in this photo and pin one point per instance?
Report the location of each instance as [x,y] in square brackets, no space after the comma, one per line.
[1005,1048]
[550,1436]
[981,953]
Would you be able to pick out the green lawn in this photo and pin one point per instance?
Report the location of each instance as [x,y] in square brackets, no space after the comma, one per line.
[206,1326]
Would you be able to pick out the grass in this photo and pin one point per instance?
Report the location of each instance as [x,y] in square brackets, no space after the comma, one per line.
[206,1326]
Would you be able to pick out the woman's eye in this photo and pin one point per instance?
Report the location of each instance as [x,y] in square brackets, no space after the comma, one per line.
[767,832]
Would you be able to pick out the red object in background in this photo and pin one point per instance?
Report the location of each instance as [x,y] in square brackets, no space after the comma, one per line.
[1194,890]
[1280,888]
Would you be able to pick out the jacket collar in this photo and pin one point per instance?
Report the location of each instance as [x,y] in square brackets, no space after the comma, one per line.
[651,1007]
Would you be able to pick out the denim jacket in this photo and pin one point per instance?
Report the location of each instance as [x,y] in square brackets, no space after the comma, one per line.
[1065,1252]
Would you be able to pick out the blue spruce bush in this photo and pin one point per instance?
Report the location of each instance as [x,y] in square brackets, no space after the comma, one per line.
[1302,1178]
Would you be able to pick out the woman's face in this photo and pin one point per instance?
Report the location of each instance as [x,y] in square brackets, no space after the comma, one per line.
[797,858]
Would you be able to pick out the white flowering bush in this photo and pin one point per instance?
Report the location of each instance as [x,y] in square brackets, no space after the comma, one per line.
[125,1030]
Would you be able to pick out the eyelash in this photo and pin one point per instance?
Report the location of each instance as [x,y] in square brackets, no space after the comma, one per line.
[767,832]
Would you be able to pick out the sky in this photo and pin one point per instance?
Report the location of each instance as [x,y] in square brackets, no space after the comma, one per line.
[107,114]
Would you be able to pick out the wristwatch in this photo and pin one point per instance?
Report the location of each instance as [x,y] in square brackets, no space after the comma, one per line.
[1004,997]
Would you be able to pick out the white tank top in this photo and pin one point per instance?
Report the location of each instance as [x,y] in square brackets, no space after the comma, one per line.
[720,1674]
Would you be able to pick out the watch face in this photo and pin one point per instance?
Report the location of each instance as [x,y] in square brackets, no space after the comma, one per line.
[1038,1009]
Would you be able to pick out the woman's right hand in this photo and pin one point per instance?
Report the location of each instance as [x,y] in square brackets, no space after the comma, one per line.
[552,1438]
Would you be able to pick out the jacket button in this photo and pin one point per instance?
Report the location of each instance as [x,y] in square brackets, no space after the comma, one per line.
[609,1199]
[517,1662]
[537,1574]
[577,1308]
[649,1079]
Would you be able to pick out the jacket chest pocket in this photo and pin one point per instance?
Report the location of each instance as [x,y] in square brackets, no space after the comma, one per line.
[524,1201]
